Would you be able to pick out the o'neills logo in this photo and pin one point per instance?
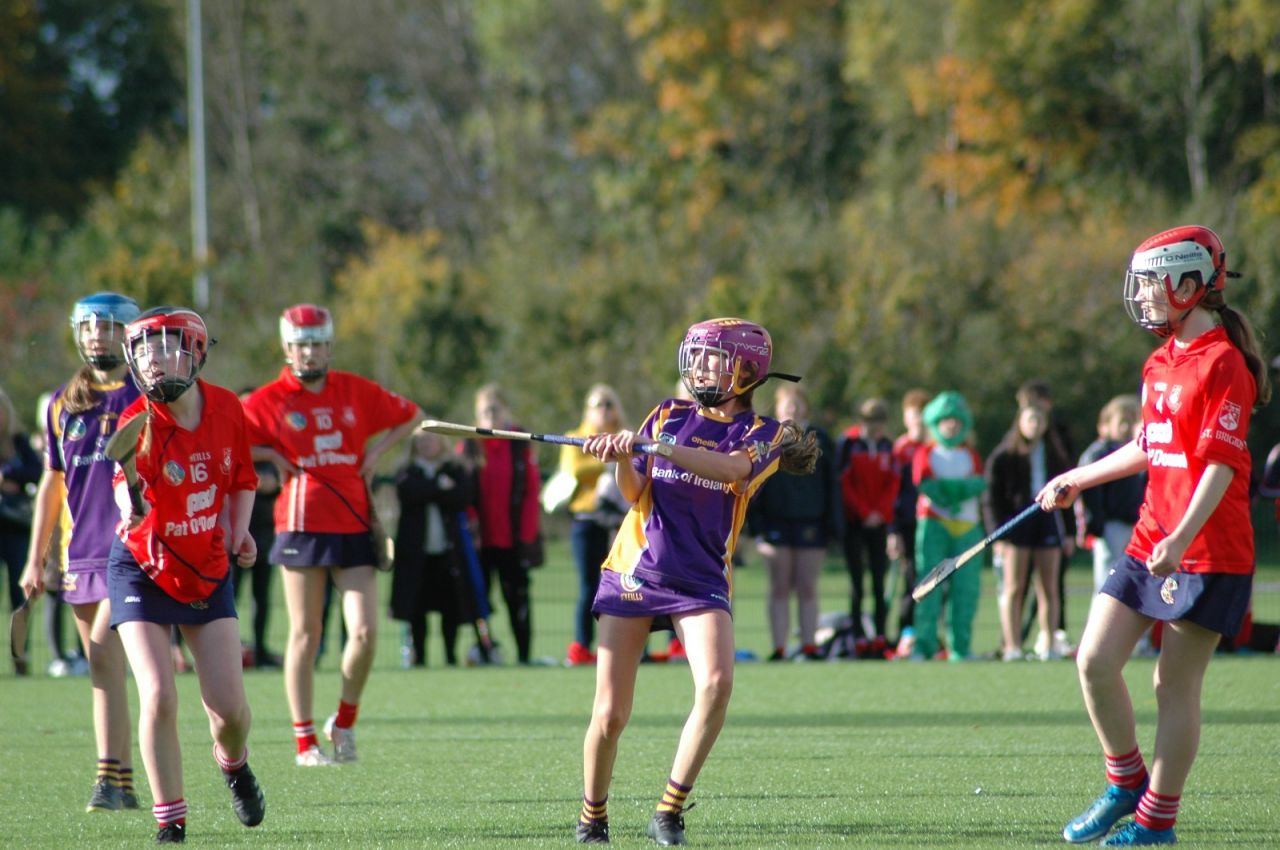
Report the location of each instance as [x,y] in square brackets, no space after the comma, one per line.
[631,588]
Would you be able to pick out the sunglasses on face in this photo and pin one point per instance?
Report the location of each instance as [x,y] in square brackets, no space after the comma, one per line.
[600,402]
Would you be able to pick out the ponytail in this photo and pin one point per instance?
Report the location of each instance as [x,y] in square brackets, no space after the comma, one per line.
[1241,334]
[800,450]
[80,395]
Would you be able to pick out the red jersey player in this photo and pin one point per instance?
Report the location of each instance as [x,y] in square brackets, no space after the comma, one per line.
[1190,561]
[314,424]
[170,565]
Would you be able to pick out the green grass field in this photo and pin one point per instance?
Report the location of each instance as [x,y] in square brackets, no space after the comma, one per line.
[814,755]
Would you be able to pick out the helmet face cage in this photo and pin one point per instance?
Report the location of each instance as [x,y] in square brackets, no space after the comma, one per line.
[103,310]
[158,340]
[1163,265]
[723,358]
[306,324]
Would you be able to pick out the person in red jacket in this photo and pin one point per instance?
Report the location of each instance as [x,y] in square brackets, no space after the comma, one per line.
[507,505]
[189,506]
[315,423]
[869,486]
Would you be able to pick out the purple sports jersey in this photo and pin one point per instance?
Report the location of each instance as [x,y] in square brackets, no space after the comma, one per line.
[75,446]
[682,530]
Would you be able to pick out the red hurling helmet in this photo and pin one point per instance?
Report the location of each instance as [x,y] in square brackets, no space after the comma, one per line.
[155,343]
[742,349]
[1161,265]
[306,324]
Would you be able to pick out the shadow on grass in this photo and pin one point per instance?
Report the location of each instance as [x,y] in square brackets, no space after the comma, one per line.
[931,718]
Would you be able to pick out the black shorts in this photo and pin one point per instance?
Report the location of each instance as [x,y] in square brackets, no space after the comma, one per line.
[1038,531]
[1215,601]
[796,533]
[307,549]
[135,597]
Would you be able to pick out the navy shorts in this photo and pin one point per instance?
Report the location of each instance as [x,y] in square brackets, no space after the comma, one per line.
[631,596]
[307,549]
[1215,601]
[796,533]
[135,597]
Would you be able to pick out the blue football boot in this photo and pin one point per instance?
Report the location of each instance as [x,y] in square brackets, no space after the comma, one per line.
[1134,834]
[1102,814]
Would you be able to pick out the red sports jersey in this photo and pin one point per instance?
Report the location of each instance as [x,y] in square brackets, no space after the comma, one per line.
[324,434]
[1196,404]
[187,476]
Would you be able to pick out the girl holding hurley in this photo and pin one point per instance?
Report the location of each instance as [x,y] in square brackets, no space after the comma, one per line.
[671,562]
[1190,561]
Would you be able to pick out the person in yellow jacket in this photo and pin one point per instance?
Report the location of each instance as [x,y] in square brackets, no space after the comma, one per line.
[596,508]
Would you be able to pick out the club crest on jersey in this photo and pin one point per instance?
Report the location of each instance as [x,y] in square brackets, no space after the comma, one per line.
[1168,589]
[1174,398]
[174,473]
[226,460]
[1229,417]
[295,420]
[76,429]
[669,439]
[349,415]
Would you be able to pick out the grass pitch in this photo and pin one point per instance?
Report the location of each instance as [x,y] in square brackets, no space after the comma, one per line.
[861,754]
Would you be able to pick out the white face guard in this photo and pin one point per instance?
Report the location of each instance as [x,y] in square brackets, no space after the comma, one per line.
[163,364]
[707,373]
[1154,280]
[100,341]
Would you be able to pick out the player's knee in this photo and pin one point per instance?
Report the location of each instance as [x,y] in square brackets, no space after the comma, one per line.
[364,634]
[160,704]
[610,719]
[715,690]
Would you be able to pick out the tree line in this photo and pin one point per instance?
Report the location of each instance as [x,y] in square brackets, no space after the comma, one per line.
[545,193]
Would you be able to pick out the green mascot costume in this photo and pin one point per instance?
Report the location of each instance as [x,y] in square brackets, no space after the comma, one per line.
[948,474]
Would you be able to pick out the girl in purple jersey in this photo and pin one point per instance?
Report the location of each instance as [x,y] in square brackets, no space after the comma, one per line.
[671,563]
[80,419]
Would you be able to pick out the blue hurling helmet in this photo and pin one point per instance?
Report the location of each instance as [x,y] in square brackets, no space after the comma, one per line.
[103,307]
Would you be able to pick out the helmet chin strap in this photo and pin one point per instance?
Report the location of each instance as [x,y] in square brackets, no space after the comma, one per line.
[714,398]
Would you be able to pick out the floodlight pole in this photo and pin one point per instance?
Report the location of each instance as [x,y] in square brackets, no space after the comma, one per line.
[195,143]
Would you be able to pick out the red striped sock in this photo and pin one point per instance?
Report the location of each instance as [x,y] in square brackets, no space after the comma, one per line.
[1127,771]
[346,715]
[170,813]
[304,734]
[1157,811]
[230,765]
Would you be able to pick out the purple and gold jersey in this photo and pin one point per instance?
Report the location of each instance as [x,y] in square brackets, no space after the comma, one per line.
[682,530]
[75,445]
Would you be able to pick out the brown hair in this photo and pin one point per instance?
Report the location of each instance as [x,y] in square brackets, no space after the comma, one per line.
[1015,439]
[915,399]
[874,410]
[80,395]
[800,450]
[1241,334]
[1121,405]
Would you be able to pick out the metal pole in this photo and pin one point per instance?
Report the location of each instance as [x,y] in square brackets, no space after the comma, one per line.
[195,142]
